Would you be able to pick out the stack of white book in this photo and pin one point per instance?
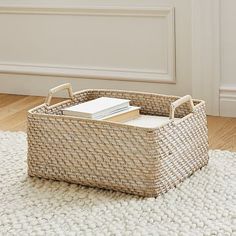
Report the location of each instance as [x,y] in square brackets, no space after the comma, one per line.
[104,108]
[115,110]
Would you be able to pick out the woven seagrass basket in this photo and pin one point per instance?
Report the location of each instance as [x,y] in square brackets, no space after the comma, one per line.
[137,160]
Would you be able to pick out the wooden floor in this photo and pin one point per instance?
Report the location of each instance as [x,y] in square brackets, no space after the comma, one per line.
[13,111]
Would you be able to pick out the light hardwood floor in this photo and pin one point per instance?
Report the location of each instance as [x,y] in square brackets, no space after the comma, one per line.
[13,111]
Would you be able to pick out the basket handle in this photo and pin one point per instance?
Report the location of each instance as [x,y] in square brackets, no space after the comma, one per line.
[61,87]
[179,102]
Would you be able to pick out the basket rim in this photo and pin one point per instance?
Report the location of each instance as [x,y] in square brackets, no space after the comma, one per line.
[171,122]
[130,91]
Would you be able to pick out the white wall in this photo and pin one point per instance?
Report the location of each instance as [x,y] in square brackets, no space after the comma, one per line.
[117,40]
[228,58]
[98,42]
[145,45]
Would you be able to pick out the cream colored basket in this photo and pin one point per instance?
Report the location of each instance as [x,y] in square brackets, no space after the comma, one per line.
[142,161]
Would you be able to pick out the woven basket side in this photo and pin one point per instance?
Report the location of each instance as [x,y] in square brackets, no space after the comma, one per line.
[131,159]
[91,154]
[182,149]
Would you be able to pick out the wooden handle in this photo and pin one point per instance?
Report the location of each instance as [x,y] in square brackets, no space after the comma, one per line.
[66,86]
[179,102]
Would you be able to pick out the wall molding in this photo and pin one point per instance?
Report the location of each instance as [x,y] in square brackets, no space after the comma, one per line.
[228,101]
[228,93]
[88,72]
[88,10]
[157,76]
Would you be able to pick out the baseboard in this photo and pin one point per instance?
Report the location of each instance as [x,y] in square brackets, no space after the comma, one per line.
[228,102]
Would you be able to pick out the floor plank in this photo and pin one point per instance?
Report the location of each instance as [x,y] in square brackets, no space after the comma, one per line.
[13,113]
[222,133]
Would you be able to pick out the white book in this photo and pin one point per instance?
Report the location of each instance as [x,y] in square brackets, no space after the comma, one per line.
[97,108]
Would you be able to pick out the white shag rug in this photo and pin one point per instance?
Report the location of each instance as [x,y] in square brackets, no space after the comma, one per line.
[204,204]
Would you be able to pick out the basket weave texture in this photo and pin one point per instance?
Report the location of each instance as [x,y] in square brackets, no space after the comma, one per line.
[136,160]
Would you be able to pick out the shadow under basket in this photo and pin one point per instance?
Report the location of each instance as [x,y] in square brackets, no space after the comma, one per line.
[136,160]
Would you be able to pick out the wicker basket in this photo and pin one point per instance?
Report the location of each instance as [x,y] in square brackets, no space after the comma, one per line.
[137,160]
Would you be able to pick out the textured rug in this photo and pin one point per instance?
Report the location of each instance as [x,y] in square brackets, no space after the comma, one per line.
[204,204]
